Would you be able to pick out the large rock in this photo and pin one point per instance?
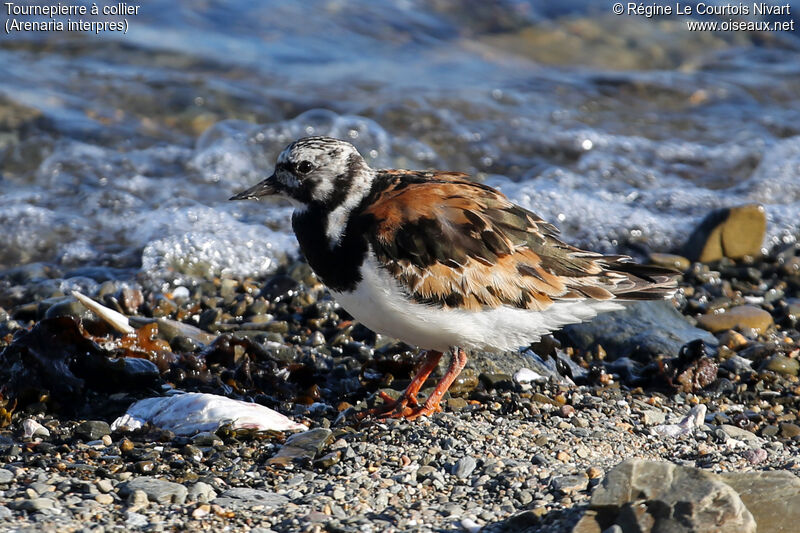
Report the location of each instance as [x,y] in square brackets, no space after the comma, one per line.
[730,232]
[773,498]
[649,496]
[643,329]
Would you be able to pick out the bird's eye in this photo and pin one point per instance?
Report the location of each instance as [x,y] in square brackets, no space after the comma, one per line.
[304,167]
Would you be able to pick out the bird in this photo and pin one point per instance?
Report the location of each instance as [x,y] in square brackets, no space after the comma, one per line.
[440,261]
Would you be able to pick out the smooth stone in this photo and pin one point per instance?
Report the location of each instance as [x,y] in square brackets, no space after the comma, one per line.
[678,262]
[789,430]
[733,340]
[104,485]
[652,496]
[741,317]
[732,232]
[93,429]
[643,328]
[464,467]
[68,306]
[6,476]
[157,490]
[245,498]
[781,364]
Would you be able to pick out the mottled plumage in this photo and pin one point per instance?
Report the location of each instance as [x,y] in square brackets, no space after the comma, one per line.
[442,262]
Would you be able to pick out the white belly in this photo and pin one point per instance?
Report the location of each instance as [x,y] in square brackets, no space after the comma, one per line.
[379,303]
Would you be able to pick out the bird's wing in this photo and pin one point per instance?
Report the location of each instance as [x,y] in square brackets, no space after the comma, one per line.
[454,243]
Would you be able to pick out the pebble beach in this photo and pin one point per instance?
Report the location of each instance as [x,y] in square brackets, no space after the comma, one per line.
[512,449]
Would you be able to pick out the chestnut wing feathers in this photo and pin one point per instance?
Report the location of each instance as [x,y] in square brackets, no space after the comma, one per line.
[454,243]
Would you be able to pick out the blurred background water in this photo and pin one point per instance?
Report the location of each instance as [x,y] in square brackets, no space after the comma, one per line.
[120,150]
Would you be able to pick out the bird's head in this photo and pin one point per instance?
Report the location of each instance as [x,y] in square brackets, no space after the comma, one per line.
[314,170]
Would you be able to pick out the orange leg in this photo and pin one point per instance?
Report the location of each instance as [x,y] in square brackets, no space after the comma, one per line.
[409,396]
[406,406]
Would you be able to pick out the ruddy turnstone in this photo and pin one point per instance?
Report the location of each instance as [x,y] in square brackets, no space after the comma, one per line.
[441,262]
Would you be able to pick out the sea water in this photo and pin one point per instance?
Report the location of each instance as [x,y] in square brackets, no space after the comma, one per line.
[120,150]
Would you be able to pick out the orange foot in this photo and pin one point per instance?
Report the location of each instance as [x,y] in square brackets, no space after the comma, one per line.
[407,406]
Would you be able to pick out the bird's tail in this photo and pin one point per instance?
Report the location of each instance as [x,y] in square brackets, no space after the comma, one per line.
[642,282]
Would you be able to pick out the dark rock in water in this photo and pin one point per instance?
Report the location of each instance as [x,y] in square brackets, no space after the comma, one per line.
[67,306]
[93,429]
[117,374]
[730,232]
[650,496]
[41,358]
[279,288]
[641,331]
[55,357]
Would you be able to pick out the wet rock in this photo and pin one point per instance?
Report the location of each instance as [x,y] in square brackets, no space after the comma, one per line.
[301,447]
[677,262]
[730,232]
[741,317]
[738,365]
[93,429]
[245,498]
[783,365]
[68,306]
[651,496]
[157,490]
[733,340]
[642,330]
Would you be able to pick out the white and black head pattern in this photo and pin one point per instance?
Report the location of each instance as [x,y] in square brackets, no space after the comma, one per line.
[326,176]
[319,170]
